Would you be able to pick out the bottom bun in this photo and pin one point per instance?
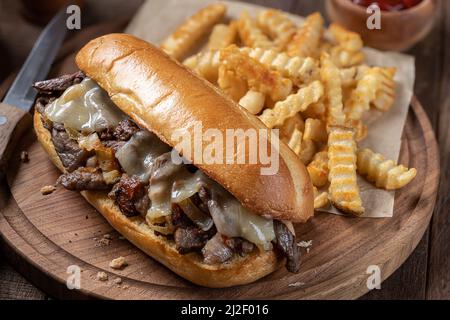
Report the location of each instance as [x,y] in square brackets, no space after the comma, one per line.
[238,271]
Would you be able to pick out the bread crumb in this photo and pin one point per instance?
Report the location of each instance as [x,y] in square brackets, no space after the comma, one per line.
[118,263]
[296,284]
[305,244]
[24,156]
[46,190]
[118,280]
[103,241]
[102,276]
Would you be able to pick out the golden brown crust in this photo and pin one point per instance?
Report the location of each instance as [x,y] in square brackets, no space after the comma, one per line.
[240,270]
[163,96]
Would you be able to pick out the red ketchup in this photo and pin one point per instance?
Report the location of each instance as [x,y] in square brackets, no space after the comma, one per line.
[389,5]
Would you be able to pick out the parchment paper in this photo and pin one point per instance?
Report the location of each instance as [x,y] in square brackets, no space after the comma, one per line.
[158,18]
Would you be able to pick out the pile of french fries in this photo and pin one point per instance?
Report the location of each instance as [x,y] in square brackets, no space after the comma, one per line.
[309,82]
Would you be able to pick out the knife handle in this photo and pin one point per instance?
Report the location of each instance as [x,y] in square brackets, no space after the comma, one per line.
[13,123]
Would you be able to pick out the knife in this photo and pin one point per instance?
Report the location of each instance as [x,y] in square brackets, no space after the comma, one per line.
[14,110]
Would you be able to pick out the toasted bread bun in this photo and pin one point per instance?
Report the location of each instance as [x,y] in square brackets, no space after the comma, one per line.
[238,271]
[162,96]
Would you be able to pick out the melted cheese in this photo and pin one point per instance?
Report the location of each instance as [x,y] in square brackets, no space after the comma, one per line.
[138,154]
[85,107]
[233,220]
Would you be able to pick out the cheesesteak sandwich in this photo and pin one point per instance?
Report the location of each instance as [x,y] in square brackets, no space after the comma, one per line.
[110,129]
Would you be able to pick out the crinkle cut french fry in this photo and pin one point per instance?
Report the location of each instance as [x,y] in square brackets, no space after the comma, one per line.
[325,46]
[253,101]
[377,88]
[299,70]
[384,173]
[318,169]
[292,105]
[351,76]
[316,110]
[344,190]
[287,128]
[222,36]
[206,64]
[230,83]
[385,96]
[347,52]
[315,130]
[343,58]
[349,40]
[331,79]
[320,199]
[307,151]
[250,34]
[295,142]
[259,77]
[306,40]
[190,31]
[361,130]
[365,92]
[278,26]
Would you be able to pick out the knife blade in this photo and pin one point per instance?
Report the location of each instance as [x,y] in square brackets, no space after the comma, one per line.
[14,110]
[36,67]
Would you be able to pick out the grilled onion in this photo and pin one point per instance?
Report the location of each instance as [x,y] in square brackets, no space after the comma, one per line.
[201,219]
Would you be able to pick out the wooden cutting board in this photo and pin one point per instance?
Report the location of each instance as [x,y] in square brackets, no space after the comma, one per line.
[44,235]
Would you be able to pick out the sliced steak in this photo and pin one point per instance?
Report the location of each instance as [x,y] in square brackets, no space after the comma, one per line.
[125,130]
[187,236]
[199,203]
[60,84]
[107,135]
[216,251]
[83,179]
[189,239]
[247,247]
[240,245]
[122,132]
[285,242]
[130,194]
[42,102]
[58,126]
[113,144]
[179,219]
[142,202]
[71,155]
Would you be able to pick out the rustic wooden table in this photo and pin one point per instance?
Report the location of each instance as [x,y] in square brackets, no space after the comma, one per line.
[426,274]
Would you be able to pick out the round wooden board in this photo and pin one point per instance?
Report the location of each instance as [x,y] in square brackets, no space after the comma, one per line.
[44,235]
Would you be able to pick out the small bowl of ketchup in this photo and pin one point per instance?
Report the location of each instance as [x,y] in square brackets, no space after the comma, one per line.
[403,23]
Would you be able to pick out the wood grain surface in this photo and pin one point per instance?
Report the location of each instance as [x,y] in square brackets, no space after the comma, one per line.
[13,123]
[425,274]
